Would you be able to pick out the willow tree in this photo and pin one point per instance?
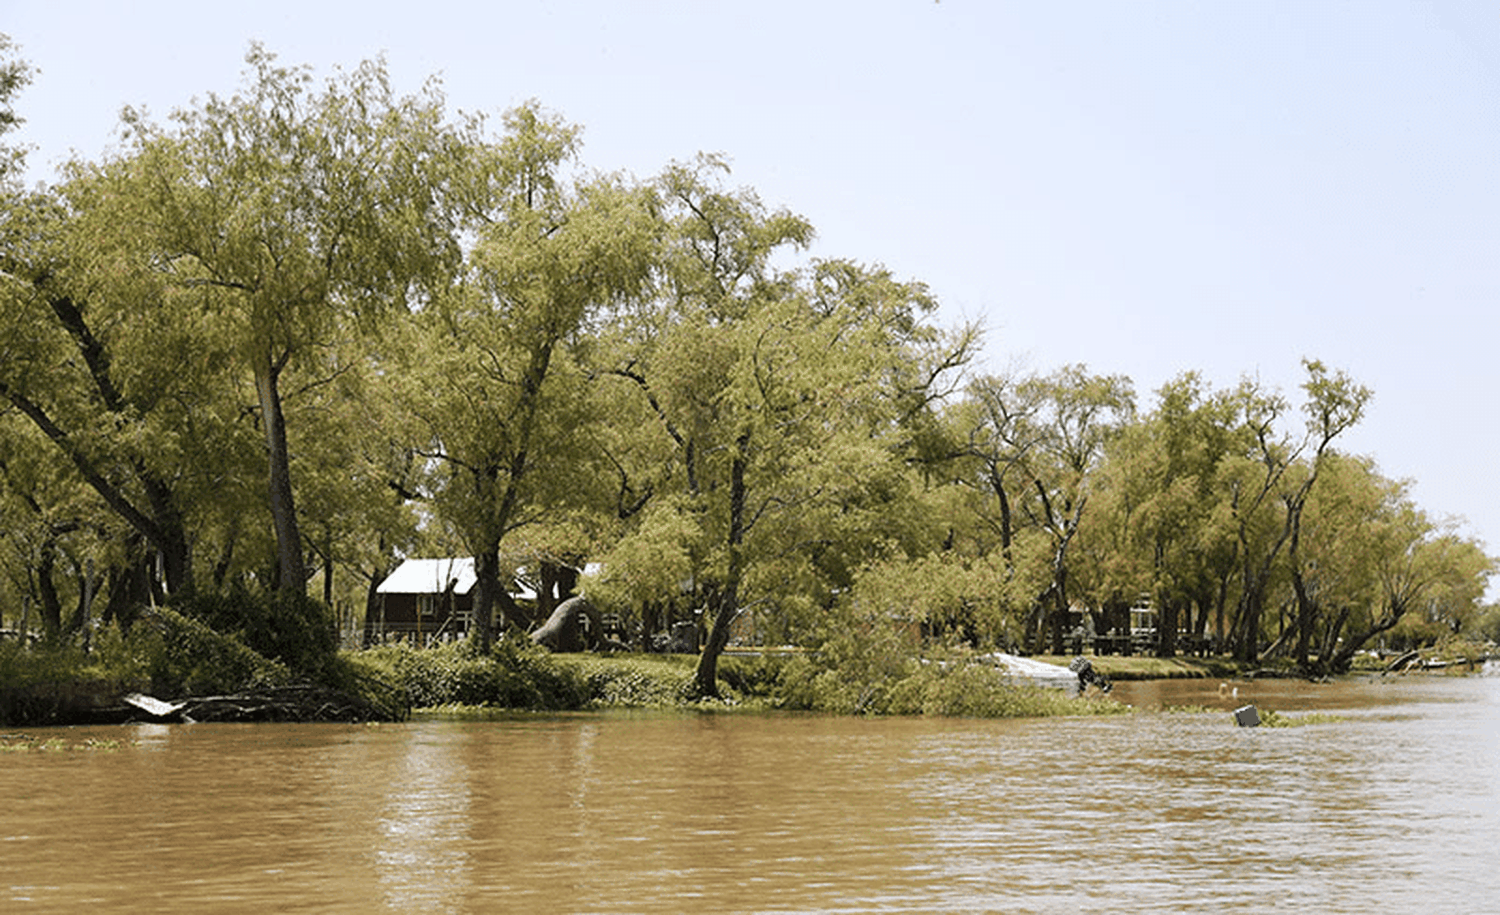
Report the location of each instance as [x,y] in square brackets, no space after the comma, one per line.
[85,358]
[496,378]
[287,213]
[87,361]
[791,399]
[1159,528]
[1035,442]
[1269,484]
[1369,557]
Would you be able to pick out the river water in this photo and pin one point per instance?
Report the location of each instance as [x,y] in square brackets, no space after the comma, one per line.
[1394,806]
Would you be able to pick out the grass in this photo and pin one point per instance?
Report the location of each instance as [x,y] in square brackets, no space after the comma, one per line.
[25,743]
[1146,667]
[1274,719]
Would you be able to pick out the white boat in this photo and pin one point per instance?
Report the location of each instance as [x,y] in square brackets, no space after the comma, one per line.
[1029,672]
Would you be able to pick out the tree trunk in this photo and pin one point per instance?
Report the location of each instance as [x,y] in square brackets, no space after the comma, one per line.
[1307,613]
[51,602]
[1166,629]
[291,573]
[487,571]
[706,678]
[1247,617]
[171,539]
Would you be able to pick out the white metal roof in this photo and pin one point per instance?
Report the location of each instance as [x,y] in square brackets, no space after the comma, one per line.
[430,576]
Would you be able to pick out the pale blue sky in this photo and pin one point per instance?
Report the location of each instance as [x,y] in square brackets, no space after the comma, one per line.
[1143,187]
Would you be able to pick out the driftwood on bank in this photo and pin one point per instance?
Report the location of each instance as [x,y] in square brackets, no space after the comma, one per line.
[277,703]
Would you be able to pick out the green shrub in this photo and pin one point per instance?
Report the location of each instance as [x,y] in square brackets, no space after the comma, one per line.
[848,680]
[184,656]
[165,654]
[45,683]
[853,672]
[511,676]
[633,681]
[980,691]
[297,630]
[755,675]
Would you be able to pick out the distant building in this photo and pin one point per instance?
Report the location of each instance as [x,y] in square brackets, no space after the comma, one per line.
[424,601]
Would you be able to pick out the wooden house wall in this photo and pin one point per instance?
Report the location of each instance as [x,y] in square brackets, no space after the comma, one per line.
[421,614]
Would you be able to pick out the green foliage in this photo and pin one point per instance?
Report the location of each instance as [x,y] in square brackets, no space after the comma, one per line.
[972,690]
[41,684]
[635,681]
[165,654]
[755,675]
[518,675]
[872,684]
[513,675]
[1414,632]
[1487,623]
[23,743]
[951,596]
[855,669]
[1270,718]
[871,667]
[184,656]
[289,627]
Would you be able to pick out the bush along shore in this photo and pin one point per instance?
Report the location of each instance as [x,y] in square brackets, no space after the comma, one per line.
[173,666]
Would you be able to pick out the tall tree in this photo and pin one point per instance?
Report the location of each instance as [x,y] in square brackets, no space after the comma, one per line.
[285,211]
[791,398]
[1038,440]
[498,385]
[1270,492]
[86,356]
[1158,528]
[1369,557]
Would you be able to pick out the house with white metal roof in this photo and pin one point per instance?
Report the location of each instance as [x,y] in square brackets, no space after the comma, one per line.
[426,600]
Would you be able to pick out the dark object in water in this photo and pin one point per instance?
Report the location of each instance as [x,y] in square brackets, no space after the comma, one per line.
[1087,675]
[1246,716]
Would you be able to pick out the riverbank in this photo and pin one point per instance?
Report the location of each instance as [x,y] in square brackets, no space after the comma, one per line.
[388,683]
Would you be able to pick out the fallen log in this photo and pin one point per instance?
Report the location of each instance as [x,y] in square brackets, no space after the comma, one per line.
[1404,660]
[277,703]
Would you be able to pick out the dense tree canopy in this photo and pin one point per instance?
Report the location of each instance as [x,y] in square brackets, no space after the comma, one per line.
[312,328]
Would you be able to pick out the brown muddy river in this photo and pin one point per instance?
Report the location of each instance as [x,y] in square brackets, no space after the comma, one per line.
[1394,807]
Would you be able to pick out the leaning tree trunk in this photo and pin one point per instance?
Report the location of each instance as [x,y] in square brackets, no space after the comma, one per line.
[706,678]
[292,576]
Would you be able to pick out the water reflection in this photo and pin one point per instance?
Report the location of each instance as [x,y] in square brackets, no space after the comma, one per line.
[422,858]
[1391,806]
